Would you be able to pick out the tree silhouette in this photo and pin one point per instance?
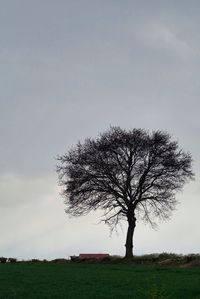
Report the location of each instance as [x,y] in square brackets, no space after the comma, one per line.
[128,174]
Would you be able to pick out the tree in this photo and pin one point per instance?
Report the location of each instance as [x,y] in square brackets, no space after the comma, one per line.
[128,174]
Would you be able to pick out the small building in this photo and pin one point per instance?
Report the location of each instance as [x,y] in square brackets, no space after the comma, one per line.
[93,256]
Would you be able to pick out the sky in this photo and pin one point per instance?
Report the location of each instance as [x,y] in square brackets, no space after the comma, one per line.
[69,70]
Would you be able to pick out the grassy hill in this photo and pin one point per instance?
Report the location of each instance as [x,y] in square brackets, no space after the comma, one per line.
[92,280]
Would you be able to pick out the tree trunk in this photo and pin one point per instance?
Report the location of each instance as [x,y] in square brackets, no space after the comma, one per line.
[129,237]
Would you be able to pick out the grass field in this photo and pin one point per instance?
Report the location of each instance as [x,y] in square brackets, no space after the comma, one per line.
[81,281]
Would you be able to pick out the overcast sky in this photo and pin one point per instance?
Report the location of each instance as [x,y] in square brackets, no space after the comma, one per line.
[69,70]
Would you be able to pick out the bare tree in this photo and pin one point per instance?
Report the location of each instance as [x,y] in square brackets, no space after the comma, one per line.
[128,174]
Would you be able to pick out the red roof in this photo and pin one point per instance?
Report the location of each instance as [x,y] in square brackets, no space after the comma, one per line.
[96,256]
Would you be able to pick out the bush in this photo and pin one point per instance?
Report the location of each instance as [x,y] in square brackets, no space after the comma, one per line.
[192,257]
[35,261]
[3,260]
[74,258]
[44,261]
[59,261]
[12,260]
[146,258]
[112,259]
[166,256]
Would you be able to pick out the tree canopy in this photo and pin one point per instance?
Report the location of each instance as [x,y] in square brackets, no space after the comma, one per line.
[128,174]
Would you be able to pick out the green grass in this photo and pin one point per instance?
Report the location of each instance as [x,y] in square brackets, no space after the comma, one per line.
[85,281]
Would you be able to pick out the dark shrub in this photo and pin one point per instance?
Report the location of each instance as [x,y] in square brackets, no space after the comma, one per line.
[35,261]
[145,259]
[113,259]
[3,260]
[12,260]
[59,261]
[44,261]
[74,258]
[192,257]
[166,256]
